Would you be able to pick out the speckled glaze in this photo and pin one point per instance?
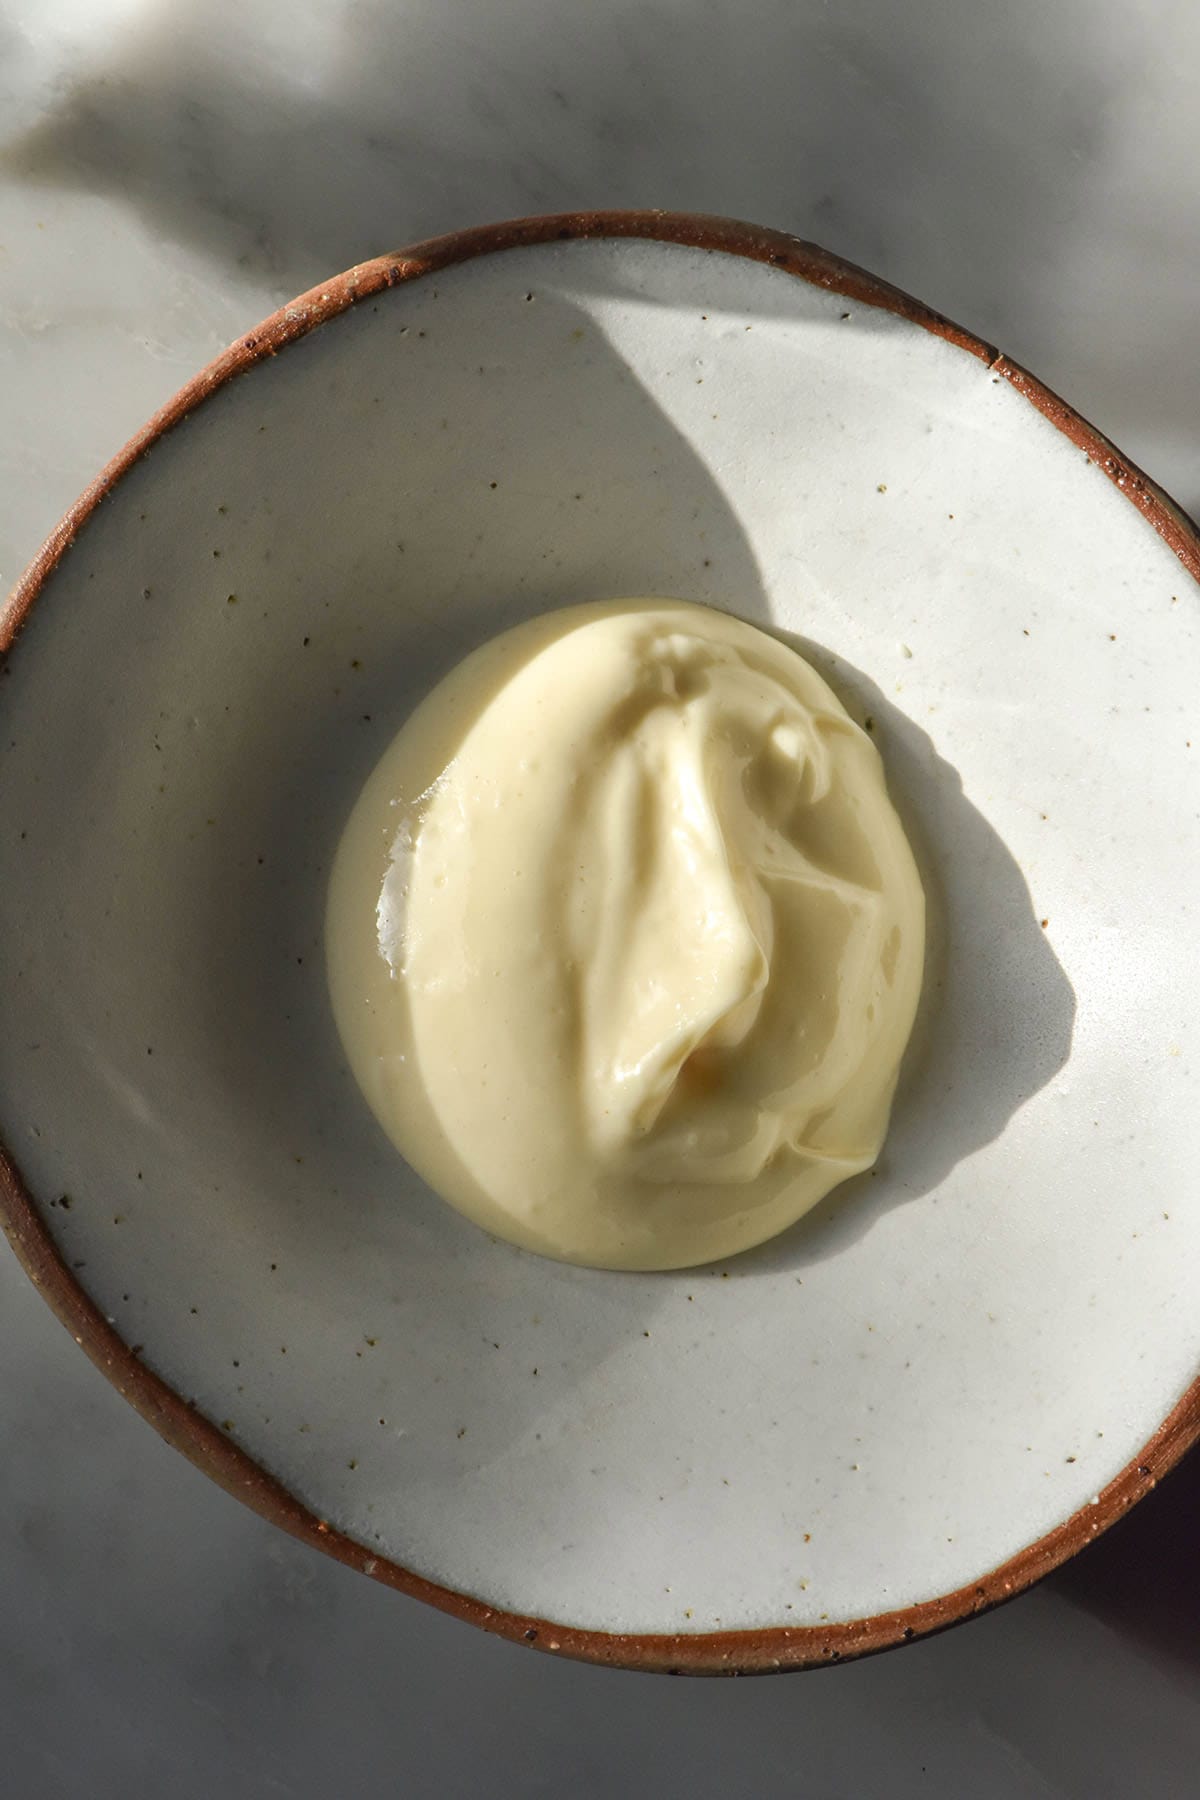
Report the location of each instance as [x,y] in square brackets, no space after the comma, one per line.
[960,1368]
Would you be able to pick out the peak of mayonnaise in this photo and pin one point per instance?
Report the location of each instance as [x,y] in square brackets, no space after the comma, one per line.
[625,939]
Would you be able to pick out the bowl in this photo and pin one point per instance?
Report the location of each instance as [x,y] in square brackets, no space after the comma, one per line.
[963,1366]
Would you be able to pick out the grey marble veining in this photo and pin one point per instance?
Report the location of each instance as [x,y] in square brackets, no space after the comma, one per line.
[170,170]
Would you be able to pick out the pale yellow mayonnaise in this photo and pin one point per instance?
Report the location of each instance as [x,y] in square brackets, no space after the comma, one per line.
[625,939]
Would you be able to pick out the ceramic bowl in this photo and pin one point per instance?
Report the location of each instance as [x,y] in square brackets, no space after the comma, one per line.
[964,1365]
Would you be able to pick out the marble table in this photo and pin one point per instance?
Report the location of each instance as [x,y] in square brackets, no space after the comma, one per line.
[169,171]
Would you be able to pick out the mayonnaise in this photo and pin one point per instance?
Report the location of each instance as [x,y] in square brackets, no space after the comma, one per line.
[625,939]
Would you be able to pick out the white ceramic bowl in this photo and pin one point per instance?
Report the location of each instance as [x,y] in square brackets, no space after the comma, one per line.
[959,1369]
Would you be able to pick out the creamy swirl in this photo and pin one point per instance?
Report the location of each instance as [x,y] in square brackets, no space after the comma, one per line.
[625,938]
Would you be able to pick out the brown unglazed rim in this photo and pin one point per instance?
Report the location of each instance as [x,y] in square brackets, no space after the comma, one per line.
[178,1420]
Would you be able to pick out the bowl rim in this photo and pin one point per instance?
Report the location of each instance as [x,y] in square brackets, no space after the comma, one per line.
[178,1419]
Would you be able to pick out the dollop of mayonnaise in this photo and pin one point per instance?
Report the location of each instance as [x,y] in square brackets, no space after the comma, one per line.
[625,938]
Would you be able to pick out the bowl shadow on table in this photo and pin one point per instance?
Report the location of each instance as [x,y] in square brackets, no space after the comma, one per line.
[1143,1577]
[997,1009]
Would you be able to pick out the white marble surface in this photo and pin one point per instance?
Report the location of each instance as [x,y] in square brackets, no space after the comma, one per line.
[168,172]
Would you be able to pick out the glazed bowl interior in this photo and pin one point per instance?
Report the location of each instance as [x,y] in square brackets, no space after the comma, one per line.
[952,1358]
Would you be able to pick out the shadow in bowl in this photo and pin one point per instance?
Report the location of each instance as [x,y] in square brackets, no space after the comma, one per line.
[260,603]
[289,594]
[997,1010]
